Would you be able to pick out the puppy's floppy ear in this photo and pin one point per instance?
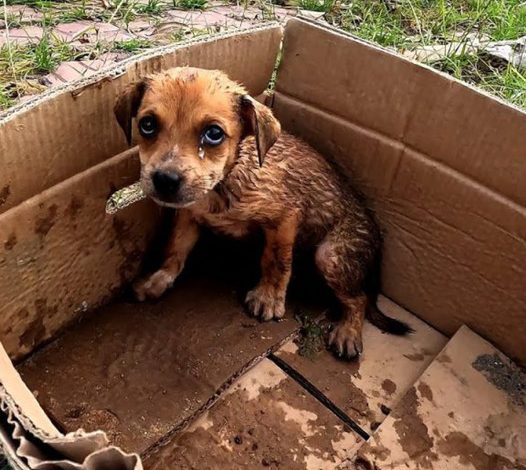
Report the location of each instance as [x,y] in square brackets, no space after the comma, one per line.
[261,123]
[127,105]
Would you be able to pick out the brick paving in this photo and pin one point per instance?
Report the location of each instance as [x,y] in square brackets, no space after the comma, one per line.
[105,31]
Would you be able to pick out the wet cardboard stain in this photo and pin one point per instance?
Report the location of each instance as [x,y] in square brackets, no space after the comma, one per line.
[425,391]
[72,210]
[504,375]
[4,194]
[10,243]
[453,417]
[389,386]
[366,389]
[415,357]
[45,223]
[275,425]
[457,444]
[34,333]
[137,370]
[413,433]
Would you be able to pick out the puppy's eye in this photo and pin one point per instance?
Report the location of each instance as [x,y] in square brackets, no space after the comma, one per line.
[213,135]
[148,126]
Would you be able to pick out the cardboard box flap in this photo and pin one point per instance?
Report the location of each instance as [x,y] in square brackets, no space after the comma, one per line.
[453,237]
[31,441]
[396,99]
[71,128]
[465,411]
[51,247]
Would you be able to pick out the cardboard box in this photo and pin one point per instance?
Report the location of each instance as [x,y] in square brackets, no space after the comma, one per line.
[441,163]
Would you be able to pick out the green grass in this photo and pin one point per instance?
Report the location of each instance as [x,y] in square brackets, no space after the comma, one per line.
[153,7]
[430,21]
[132,45]
[317,5]
[504,81]
[410,24]
[190,4]
[21,65]
[403,25]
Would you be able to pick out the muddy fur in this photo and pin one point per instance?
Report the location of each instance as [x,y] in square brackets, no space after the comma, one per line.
[257,178]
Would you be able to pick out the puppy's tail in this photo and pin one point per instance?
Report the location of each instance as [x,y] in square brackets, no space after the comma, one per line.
[384,322]
[373,313]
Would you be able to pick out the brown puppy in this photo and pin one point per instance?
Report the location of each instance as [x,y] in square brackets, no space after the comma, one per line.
[220,158]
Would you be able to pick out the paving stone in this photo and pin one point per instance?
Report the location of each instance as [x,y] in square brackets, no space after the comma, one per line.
[20,36]
[90,31]
[137,26]
[69,71]
[22,13]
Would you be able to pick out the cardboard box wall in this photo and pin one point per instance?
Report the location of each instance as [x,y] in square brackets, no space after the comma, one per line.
[441,163]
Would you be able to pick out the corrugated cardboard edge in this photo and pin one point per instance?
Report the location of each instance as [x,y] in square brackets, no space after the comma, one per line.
[30,440]
[397,55]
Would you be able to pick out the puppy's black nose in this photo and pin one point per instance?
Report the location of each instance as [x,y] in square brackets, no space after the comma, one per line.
[166,183]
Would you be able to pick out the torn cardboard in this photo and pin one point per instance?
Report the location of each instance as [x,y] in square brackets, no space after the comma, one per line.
[30,441]
[461,413]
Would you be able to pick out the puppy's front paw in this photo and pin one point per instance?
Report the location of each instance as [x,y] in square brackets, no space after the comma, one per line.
[265,303]
[345,341]
[153,286]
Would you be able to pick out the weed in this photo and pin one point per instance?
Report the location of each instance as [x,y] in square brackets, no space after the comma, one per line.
[504,80]
[153,7]
[80,12]
[317,5]
[48,54]
[132,45]
[190,4]
[312,335]
[6,101]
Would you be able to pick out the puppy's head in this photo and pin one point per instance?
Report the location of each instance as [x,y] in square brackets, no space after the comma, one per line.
[190,123]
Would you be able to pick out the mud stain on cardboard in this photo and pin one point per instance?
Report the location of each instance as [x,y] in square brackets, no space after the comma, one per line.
[10,243]
[425,391]
[457,444]
[417,357]
[45,223]
[280,428]
[389,386]
[73,208]
[34,333]
[413,434]
[4,194]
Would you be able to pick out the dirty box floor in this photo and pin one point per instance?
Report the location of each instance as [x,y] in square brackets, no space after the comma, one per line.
[192,382]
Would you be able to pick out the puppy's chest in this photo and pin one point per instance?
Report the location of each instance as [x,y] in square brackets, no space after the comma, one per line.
[228,220]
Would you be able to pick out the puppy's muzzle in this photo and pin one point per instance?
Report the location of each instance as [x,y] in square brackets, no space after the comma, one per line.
[166,184]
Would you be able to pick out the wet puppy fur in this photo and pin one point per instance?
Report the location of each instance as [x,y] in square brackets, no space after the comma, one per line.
[220,158]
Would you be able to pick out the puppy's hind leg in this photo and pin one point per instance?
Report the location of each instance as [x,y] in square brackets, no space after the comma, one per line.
[341,261]
[184,236]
